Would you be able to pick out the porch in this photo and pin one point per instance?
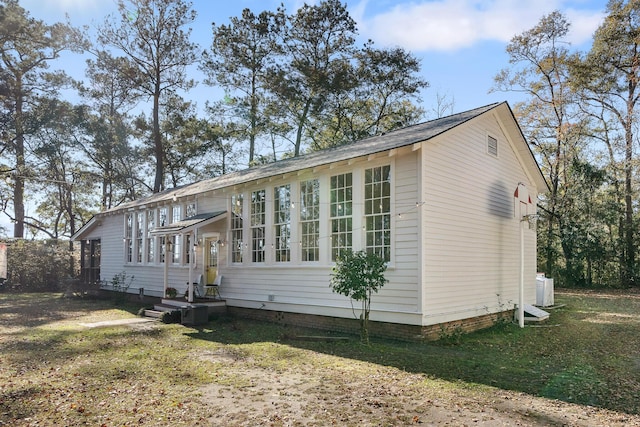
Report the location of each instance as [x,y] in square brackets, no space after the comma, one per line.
[196,312]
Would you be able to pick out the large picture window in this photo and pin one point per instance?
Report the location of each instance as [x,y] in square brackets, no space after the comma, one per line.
[236,228]
[282,222]
[377,209]
[310,220]
[257,224]
[341,209]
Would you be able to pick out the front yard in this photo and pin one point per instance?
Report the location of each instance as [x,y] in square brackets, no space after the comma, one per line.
[580,368]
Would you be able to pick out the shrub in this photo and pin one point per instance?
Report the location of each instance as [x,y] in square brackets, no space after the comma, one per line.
[43,265]
[358,275]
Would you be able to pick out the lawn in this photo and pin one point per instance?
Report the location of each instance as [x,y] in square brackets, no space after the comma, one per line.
[582,367]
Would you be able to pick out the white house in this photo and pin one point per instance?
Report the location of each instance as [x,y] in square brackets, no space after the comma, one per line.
[442,201]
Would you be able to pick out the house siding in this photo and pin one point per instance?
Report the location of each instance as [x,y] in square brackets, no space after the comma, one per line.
[455,229]
[304,287]
[471,238]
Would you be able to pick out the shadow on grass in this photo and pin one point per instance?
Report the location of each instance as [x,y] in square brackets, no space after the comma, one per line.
[573,358]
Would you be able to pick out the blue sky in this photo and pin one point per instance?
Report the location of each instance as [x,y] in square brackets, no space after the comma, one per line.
[461,43]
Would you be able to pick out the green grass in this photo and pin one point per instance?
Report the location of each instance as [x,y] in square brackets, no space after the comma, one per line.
[53,371]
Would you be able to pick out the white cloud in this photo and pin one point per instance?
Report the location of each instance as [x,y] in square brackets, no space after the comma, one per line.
[449,25]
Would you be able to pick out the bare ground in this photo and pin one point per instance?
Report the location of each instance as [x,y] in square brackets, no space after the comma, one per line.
[349,394]
[304,388]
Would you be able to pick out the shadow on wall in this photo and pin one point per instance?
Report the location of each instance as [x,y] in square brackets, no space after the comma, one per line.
[500,205]
[500,201]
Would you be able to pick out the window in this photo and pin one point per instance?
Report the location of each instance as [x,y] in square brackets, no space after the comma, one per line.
[128,237]
[177,245]
[282,222]
[492,146]
[236,228]
[190,210]
[176,212]
[187,249]
[257,225]
[151,221]
[377,210]
[139,236]
[340,213]
[310,220]
[163,217]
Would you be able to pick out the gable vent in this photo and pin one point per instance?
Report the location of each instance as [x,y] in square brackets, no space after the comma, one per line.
[492,146]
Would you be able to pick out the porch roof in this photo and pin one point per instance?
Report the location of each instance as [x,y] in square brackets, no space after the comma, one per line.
[188,224]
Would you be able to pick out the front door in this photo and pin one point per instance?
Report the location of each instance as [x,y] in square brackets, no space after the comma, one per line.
[211,259]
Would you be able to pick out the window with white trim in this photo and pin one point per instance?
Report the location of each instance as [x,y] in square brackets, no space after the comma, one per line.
[282,222]
[190,210]
[151,221]
[257,225]
[139,236]
[163,216]
[377,210]
[236,228]
[128,237]
[340,211]
[310,220]
[176,213]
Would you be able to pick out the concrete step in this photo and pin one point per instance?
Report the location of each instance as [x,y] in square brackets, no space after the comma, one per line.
[167,307]
[153,313]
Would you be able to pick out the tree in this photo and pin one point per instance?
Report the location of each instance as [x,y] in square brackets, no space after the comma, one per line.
[358,275]
[318,48]
[607,79]
[378,99]
[27,46]
[108,131]
[553,125]
[150,33]
[240,55]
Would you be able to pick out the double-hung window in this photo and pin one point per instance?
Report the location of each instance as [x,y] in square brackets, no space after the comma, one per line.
[257,224]
[310,220]
[128,237]
[236,227]
[341,209]
[377,210]
[282,222]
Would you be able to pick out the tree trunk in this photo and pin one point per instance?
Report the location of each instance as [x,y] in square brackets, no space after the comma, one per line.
[157,142]
[18,188]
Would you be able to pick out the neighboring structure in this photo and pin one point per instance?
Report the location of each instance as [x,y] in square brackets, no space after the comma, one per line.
[442,201]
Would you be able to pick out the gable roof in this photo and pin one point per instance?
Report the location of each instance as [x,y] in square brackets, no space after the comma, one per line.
[395,139]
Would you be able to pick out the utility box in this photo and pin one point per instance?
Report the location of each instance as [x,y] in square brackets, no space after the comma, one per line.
[544,291]
[194,315]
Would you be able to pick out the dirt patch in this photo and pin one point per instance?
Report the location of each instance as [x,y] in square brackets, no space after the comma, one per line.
[245,395]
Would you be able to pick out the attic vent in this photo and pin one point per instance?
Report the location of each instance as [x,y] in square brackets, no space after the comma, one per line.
[492,146]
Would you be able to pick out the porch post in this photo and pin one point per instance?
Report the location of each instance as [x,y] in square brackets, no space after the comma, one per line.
[166,264]
[191,256]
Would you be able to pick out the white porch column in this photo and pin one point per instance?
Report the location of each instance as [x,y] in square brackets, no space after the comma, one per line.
[192,255]
[167,246]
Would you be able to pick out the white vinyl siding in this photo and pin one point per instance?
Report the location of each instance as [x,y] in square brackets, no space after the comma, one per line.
[470,233]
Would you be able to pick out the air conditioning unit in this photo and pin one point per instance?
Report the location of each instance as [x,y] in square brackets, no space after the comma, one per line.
[544,291]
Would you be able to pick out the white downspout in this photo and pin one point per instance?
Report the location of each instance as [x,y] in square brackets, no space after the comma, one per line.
[521,293]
